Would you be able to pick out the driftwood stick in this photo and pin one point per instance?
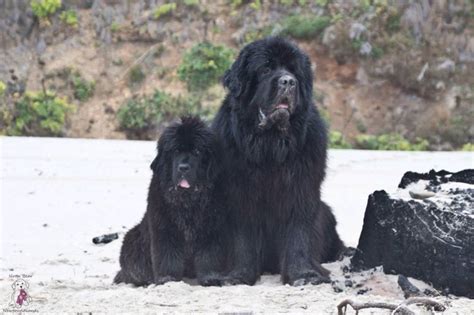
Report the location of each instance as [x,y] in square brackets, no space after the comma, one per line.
[400,309]
[341,308]
[424,301]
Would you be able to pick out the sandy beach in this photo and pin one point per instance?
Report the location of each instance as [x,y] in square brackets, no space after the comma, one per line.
[57,194]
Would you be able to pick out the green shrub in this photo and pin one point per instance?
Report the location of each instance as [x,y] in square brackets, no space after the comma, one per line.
[393,23]
[286,2]
[45,8]
[321,3]
[83,89]
[305,27]
[191,3]
[390,142]
[164,10]
[235,4]
[3,88]
[254,34]
[136,75]
[256,5]
[135,115]
[203,65]
[376,52]
[69,17]
[39,114]
[337,141]
[138,116]
[114,27]
[468,147]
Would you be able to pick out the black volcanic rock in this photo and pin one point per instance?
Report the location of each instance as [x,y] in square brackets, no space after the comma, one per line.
[430,239]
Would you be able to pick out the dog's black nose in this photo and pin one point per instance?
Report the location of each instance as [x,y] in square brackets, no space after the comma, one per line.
[183,167]
[286,80]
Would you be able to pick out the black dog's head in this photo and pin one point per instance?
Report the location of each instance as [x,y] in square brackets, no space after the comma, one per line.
[188,158]
[271,79]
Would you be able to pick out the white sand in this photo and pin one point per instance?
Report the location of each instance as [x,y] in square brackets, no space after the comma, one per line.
[80,189]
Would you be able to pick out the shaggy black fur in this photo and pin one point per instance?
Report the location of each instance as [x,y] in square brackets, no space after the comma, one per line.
[275,151]
[184,229]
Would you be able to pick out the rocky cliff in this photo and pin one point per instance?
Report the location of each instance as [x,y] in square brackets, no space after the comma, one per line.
[381,66]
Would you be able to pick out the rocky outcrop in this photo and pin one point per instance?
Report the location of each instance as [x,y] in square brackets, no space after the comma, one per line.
[425,231]
[381,66]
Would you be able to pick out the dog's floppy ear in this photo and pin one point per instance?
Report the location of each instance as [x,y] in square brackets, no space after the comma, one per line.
[14,285]
[27,285]
[154,164]
[231,81]
[159,149]
[233,77]
[214,166]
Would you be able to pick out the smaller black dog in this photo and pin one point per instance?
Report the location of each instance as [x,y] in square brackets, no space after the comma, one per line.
[183,232]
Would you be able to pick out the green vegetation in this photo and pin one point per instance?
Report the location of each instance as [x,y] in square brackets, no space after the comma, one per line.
[337,141]
[390,142]
[138,116]
[468,147]
[203,65]
[69,17]
[114,27]
[393,23]
[235,4]
[256,5]
[191,3]
[321,3]
[361,127]
[3,88]
[38,114]
[136,75]
[164,10]
[44,8]
[255,34]
[376,52]
[305,27]
[83,89]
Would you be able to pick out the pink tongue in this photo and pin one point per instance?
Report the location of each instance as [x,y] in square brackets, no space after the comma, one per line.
[184,184]
[282,106]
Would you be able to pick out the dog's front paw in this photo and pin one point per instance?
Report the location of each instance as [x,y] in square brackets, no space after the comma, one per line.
[235,278]
[309,277]
[164,279]
[215,280]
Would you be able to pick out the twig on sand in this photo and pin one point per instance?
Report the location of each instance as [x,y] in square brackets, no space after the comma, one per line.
[400,309]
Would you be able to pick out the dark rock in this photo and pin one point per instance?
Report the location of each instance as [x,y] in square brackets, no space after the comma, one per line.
[437,178]
[337,286]
[431,240]
[105,239]
[429,292]
[348,283]
[407,287]
[362,291]
[348,252]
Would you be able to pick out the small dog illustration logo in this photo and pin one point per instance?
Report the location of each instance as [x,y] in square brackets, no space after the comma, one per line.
[20,296]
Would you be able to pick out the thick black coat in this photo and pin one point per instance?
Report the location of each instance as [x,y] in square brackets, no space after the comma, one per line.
[275,153]
[184,231]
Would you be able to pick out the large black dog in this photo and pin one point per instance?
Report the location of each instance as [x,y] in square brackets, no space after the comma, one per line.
[275,150]
[183,232]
